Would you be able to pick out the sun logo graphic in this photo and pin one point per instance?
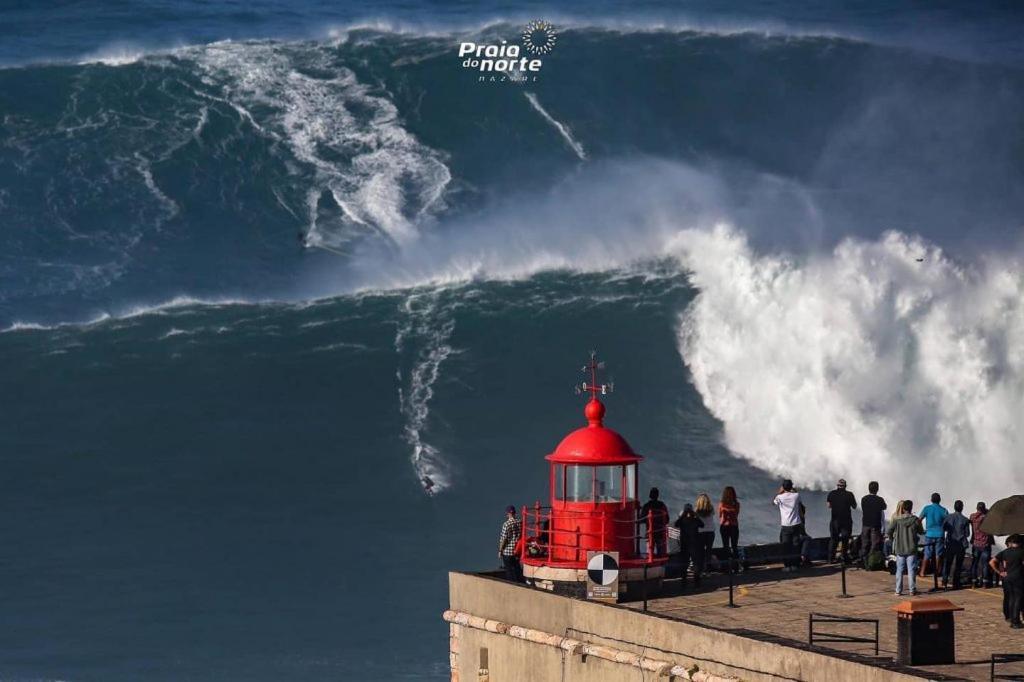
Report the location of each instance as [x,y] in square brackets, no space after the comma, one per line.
[539,37]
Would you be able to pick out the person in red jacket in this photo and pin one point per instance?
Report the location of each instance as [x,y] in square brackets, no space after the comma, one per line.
[729,520]
[981,549]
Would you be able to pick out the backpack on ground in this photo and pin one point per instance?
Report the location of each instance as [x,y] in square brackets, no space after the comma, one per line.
[875,561]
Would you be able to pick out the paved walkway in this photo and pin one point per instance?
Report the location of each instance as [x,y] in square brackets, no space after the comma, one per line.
[778,603]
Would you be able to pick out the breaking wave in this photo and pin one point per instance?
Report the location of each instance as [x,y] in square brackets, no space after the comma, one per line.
[879,360]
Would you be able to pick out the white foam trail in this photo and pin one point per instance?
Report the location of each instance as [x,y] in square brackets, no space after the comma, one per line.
[204,118]
[170,207]
[862,363]
[562,129]
[426,330]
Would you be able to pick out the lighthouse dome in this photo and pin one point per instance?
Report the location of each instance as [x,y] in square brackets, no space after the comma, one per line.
[594,443]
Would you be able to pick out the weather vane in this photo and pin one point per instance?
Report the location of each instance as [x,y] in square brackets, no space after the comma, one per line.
[592,387]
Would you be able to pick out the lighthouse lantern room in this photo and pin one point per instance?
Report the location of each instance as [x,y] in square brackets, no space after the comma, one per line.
[594,506]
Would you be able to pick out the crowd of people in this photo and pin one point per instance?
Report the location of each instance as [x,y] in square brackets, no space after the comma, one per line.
[941,539]
[947,538]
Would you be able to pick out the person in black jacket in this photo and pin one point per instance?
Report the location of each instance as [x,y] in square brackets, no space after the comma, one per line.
[1009,565]
[842,503]
[656,510]
[872,519]
[689,525]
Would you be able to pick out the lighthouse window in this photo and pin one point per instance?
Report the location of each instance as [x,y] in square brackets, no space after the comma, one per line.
[630,481]
[579,483]
[608,484]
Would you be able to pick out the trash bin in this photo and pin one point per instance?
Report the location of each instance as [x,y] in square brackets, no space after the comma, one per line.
[924,632]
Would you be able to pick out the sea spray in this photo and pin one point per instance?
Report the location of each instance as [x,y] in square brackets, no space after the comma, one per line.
[882,360]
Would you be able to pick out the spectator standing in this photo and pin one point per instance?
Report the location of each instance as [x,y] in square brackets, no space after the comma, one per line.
[957,529]
[508,540]
[791,527]
[706,513]
[842,503]
[803,540]
[872,522]
[689,542]
[729,520]
[1009,564]
[932,516]
[981,549]
[655,510]
[904,530]
[896,511]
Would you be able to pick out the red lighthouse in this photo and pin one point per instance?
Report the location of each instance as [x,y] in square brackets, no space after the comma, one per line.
[594,507]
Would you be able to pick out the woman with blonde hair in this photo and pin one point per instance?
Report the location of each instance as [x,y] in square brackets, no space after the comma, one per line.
[729,520]
[887,539]
[706,538]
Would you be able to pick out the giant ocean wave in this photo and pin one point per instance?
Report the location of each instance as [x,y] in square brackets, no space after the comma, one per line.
[791,180]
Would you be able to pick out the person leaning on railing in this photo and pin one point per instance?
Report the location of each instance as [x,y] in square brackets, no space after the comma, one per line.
[508,541]
[656,510]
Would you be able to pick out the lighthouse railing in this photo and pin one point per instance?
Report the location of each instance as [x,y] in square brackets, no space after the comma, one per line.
[564,536]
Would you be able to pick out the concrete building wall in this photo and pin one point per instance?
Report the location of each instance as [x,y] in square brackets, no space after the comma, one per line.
[692,646]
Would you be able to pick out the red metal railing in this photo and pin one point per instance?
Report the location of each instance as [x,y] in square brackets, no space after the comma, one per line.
[563,537]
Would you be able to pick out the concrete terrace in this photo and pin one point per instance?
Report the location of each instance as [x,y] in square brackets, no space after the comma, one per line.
[775,605]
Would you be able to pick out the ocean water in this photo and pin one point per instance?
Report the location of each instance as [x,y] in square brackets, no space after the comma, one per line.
[293,306]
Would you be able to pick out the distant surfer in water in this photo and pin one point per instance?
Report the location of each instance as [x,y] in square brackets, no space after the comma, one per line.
[303,239]
[428,484]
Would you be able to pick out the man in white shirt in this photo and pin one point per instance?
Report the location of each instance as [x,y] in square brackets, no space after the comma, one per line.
[791,532]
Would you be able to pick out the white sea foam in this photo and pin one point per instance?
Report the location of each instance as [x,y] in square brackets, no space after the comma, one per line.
[675,23]
[19,326]
[341,345]
[377,173]
[137,310]
[562,129]
[115,55]
[864,363]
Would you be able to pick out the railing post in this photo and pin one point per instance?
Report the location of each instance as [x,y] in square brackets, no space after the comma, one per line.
[523,534]
[842,569]
[645,588]
[650,535]
[603,547]
[732,604]
[577,543]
